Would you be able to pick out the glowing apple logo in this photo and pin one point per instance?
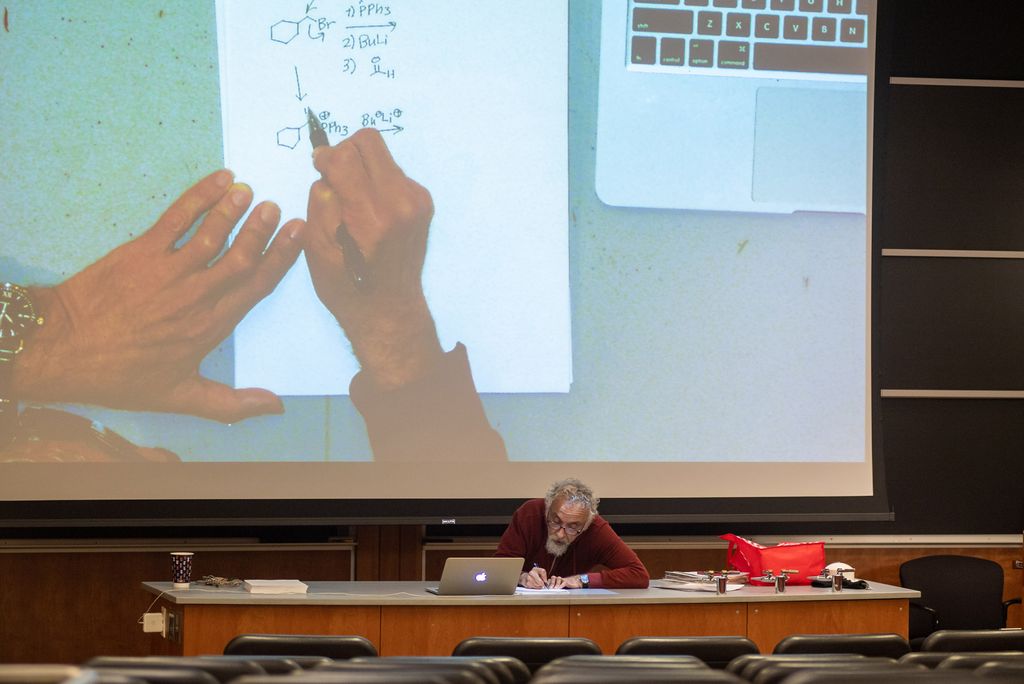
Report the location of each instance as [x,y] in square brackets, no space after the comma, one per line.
[480,576]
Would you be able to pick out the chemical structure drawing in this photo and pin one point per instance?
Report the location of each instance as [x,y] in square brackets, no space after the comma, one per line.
[285,31]
[291,136]
[384,121]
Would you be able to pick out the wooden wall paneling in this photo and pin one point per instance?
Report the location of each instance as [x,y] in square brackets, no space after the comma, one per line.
[411,542]
[367,552]
[609,625]
[432,630]
[207,629]
[769,623]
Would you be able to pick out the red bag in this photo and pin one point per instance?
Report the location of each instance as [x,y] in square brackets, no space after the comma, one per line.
[805,558]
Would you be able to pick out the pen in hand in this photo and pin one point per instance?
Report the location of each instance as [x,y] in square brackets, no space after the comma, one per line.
[355,262]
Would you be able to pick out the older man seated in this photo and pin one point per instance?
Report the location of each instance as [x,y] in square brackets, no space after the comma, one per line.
[567,545]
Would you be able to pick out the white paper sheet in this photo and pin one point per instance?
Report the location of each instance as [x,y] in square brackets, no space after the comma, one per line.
[472,100]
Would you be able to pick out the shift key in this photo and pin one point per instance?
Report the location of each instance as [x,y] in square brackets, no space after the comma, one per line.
[810,58]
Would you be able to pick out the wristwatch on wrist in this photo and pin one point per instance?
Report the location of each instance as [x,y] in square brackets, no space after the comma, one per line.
[585,580]
[18,320]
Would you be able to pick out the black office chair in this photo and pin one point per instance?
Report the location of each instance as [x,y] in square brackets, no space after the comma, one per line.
[451,670]
[957,592]
[883,645]
[965,640]
[532,651]
[339,647]
[747,666]
[971,661]
[1007,671]
[779,671]
[222,670]
[506,669]
[715,651]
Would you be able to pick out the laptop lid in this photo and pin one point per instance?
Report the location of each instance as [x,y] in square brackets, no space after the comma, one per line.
[479,576]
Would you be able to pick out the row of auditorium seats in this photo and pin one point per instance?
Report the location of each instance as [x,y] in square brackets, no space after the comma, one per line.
[799,659]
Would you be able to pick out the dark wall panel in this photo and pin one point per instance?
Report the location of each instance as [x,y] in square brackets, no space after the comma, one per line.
[955,466]
[951,323]
[956,39]
[953,165]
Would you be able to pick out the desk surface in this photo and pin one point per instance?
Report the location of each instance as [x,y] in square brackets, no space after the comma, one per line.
[415,594]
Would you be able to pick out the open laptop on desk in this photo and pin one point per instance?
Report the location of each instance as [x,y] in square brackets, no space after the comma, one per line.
[479,577]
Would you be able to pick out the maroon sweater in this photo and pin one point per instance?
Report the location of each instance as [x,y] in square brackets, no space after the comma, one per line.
[597,546]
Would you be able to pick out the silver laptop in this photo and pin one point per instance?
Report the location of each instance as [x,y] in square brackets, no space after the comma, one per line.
[479,576]
[735,105]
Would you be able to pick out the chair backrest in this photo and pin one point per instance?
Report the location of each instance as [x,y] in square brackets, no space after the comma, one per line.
[775,672]
[965,591]
[746,666]
[714,651]
[222,670]
[1007,670]
[157,675]
[974,640]
[971,661]
[336,647]
[452,670]
[506,669]
[614,675]
[533,651]
[929,659]
[883,645]
[38,673]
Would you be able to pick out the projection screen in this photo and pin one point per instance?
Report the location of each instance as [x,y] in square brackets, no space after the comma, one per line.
[651,234]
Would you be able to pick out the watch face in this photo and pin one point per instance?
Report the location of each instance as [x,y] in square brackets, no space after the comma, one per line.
[17,316]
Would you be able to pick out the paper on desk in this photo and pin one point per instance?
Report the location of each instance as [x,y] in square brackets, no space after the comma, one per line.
[285,586]
[524,590]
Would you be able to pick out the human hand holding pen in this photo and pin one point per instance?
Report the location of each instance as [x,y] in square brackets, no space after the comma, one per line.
[388,216]
[536,578]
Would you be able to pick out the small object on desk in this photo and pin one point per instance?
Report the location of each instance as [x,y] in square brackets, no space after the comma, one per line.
[696,586]
[181,569]
[355,262]
[285,586]
[732,576]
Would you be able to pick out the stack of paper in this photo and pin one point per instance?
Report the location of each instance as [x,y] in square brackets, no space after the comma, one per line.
[734,576]
[281,586]
[695,586]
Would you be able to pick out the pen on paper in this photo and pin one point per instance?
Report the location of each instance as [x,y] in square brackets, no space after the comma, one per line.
[355,262]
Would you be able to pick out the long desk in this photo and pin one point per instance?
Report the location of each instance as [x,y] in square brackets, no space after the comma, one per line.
[401,618]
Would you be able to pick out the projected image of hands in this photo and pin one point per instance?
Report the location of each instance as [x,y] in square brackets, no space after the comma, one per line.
[382,309]
[130,330]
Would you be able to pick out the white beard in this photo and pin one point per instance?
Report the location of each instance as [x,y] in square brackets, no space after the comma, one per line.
[555,548]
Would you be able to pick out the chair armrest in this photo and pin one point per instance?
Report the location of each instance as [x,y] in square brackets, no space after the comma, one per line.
[923,620]
[1006,607]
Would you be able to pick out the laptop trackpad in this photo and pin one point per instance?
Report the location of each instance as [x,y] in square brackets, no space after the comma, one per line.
[810,146]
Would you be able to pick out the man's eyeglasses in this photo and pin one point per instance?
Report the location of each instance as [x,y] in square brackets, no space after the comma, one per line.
[571,530]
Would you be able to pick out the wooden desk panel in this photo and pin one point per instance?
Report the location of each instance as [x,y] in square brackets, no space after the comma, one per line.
[435,630]
[768,623]
[206,629]
[609,626]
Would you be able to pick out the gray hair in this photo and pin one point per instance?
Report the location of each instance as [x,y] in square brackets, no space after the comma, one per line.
[575,493]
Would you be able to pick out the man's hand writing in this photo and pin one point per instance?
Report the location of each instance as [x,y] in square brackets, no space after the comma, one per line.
[130,330]
[537,578]
[388,215]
